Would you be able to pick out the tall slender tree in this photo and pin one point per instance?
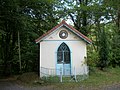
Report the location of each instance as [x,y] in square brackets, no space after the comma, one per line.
[103,50]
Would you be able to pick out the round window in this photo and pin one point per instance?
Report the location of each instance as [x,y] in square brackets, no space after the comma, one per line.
[63,34]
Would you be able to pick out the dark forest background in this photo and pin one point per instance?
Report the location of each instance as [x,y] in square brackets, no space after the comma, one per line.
[22,21]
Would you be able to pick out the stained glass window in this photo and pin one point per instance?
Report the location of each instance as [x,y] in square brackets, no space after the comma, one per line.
[63,54]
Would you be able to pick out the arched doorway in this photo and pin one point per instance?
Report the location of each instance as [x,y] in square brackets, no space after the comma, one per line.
[64,59]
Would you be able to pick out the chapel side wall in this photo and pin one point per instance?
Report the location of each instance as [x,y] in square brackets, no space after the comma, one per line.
[79,54]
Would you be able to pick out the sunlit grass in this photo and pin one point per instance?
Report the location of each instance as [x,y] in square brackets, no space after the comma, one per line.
[96,79]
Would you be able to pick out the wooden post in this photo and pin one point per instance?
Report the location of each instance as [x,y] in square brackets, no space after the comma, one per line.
[60,74]
[19,50]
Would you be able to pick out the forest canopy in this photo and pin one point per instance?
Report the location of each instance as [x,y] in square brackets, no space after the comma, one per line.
[22,21]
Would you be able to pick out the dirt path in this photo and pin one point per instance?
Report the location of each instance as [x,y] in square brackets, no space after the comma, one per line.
[12,85]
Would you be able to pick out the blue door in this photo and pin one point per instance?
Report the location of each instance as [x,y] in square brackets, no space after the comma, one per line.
[63,60]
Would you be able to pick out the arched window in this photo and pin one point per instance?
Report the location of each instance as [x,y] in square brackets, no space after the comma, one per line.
[63,54]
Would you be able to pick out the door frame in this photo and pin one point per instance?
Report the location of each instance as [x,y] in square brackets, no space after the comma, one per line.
[70,58]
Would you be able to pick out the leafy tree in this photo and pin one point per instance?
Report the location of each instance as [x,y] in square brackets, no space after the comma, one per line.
[32,19]
[103,50]
[10,24]
[114,13]
[77,11]
[116,51]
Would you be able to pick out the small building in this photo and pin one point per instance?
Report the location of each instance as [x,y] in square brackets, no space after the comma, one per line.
[63,48]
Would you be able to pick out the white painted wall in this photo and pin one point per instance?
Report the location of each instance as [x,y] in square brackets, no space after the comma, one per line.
[50,44]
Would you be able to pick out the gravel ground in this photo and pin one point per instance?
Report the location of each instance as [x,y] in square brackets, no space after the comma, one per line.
[12,85]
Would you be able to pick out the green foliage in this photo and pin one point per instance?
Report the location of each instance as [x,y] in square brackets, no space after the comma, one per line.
[92,59]
[32,19]
[116,51]
[88,17]
[10,24]
[103,50]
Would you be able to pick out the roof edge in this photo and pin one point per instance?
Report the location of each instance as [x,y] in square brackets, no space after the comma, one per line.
[85,38]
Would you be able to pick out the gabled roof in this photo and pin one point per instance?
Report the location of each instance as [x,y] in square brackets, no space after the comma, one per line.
[63,23]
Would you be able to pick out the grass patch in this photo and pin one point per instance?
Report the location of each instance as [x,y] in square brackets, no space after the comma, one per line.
[51,79]
[108,76]
[30,79]
[96,79]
